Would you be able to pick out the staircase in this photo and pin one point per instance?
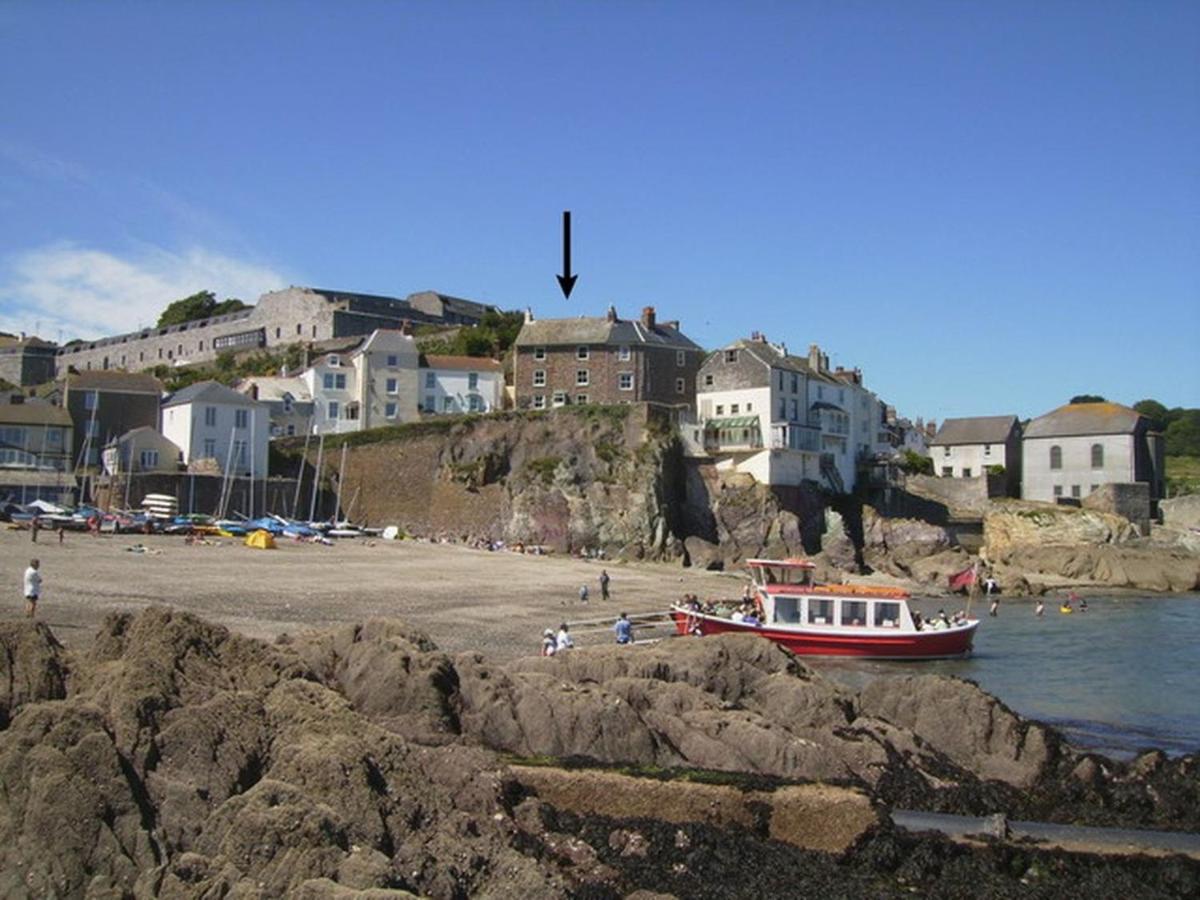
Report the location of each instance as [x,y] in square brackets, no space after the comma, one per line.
[832,476]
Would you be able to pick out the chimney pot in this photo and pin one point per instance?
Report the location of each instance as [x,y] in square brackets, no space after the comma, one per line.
[612,313]
[528,314]
[648,319]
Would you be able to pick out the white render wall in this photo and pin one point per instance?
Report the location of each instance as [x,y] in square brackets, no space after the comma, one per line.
[976,457]
[455,384]
[185,426]
[1038,479]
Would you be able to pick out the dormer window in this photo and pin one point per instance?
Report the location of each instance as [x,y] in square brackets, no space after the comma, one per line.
[730,356]
[582,352]
[333,361]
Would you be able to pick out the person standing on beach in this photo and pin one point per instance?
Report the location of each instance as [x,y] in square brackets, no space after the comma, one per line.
[583,593]
[33,587]
[34,527]
[604,579]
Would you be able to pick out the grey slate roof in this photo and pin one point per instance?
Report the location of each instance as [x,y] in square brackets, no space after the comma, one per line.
[33,414]
[769,354]
[1085,418]
[207,392]
[974,430]
[116,381]
[599,330]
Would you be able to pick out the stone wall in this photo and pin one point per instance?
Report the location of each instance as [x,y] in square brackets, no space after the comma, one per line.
[1130,499]
[961,496]
[21,364]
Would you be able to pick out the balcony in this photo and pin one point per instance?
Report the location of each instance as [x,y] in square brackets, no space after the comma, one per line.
[737,433]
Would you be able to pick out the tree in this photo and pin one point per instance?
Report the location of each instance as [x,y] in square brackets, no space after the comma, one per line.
[1183,435]
[915,464]
[1155,412]
[200,305]
[1088,398]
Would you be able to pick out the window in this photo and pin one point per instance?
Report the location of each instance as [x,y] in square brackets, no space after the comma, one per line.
[472,381]
[539,377]
[887,615]
[447,404]
[947,471]
[581,377]
[1097,456]
[783,409]
[966,472]
[333,361]
[795,411]
[1074,490]
[333,409]
[291,430]
[389,410]
[625,381]
[314,331]
[854,612]
[278,332]
[623,353]
[539,401]
[298,326]
[680,358]
[734,408]
[475,403]
[210,416]
[730,356]
[749,407]
[392,386]
[327,381]
[946,451]
[339,382]
[393,360]
[289,404]
[581,399]
[820,612]
[1056,457]
[781,381]
[1058,490]
[987,449]
[581,353]
[720,409]
[680,385]
[430,379]
[241,418]
[820,392]
[149,459]
[90,399]
[239,452]
[559,399]
[539,352]
[708,381]
[430,403]
[210,448]
[795,383]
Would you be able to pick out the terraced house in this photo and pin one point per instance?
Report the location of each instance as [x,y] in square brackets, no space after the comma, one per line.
[604,360]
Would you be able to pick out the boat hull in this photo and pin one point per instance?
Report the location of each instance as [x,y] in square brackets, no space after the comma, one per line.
[945,644]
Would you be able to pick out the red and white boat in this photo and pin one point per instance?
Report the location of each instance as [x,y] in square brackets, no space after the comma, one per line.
[813,619]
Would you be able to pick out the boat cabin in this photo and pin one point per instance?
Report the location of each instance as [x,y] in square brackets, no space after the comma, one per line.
[790,596]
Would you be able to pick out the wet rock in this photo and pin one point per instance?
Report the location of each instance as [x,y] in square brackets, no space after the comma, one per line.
[702,554]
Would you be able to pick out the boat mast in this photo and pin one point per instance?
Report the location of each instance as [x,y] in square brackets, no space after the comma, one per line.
[312,506]
[337,511]
[300,474]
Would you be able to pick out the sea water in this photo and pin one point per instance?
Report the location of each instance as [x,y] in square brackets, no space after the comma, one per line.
[1119,678]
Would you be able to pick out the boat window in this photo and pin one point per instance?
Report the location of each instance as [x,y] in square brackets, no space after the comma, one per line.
[854,612]
[887,615]
[787,609]
[820,612]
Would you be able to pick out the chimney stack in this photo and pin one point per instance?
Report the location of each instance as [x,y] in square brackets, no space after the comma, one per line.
[528,314]
[612,314]
[406,327]
[648,317]
[253,391]
[814,357]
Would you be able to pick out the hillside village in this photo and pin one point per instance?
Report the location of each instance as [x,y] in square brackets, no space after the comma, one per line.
[86,414]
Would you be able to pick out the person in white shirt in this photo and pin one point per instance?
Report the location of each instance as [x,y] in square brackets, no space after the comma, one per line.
[549,644]
[564,638]
[33,587]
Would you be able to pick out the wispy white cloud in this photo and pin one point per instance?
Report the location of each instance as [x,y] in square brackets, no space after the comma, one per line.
[81,292]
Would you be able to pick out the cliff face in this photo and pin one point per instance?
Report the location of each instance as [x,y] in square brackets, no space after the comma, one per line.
[574,478]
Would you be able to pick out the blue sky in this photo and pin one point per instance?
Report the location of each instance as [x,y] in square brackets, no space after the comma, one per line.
[987,207]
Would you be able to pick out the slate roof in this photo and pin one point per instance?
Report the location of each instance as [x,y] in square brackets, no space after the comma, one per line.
[461,363]
[115,381]
[974,430]
[770,355]
[599,330]
[1085,418]
[273,387]
[207,392]
[33,414]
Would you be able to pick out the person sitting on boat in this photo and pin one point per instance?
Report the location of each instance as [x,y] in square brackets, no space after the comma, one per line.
[918,622]
[549,644]
[944,619]
[737,615]
[564,641]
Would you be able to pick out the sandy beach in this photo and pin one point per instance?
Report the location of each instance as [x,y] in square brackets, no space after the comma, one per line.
[465,599]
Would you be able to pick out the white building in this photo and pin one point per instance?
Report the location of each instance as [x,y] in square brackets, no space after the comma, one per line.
[210,421]
[971,446]
[289,403]
[1075,449]
[461,384]
[370,384]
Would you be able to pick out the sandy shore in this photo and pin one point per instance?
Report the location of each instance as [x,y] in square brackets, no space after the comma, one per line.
[465,599]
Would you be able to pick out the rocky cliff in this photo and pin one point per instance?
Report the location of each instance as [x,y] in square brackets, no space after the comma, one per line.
[177,759]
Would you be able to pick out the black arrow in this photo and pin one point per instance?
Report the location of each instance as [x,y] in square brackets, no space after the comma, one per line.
[566,280]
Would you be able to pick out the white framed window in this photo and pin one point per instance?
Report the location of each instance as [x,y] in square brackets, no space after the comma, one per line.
[241,418]
[708,381]
[946,450]
[625,381]
[393,360]
[210,416]
[720,409]
[560,398]
[582,352]
[392,386]
[447,404]
[749,407]
[210,448]
[581,399]
[987,449]
[333,409]
[472,381]
[539,401]
[430,403]
[327,381]
[149,459]
[539,377]
[339,381]
[539,353]
[430,379]
[581,378]
[680,385]
[474,403]
[1058,490]
[333,360]
[680,358]
[624,353]
[389,410]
